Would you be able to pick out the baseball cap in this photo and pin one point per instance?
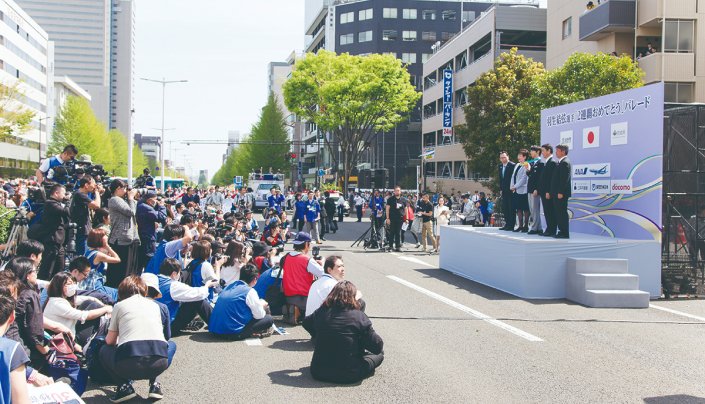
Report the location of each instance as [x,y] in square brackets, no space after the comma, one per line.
[260,249]
[151,281]
[301,238]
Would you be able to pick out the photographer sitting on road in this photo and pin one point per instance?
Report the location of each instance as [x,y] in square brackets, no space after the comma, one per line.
[150,213]
[84,200]
[199,271]
[174,239]
[335,272]
[299,271]
[69,153]
[239,312]
[145,180]
[184,302]
[52,232]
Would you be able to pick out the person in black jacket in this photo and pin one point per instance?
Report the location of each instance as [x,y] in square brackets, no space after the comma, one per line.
[55,220]
[347,348]
[330,208]
[561,190]
[505,170]
[534,172]
[545,190]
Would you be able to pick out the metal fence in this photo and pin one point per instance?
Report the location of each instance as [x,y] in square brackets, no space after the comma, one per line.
[683,241]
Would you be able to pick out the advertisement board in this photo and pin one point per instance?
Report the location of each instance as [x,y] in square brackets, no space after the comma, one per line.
[616,151]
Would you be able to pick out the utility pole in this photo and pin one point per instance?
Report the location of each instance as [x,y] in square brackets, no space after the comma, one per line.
[163,82]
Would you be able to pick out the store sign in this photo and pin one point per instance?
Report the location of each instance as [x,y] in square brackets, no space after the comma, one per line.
[447,102]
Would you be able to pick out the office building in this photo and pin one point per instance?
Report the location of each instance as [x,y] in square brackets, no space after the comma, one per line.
[233,143]
[94,42]
[469,55]
[278,73]
[408,29]
[674,28]
[149,145]
[25,62]
[64,87]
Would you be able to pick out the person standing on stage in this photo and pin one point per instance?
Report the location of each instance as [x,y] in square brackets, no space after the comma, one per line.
[396,208]
[518,185]
[534,171]
[561,190]
[506,169]
[549,168]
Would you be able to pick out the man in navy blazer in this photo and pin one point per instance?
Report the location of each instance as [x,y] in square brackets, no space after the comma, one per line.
[561,185]
[544,187]
[505,171]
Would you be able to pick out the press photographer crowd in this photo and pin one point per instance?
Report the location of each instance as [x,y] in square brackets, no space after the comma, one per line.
[99,275]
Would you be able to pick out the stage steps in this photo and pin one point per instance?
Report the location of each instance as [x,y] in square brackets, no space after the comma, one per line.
[603,282]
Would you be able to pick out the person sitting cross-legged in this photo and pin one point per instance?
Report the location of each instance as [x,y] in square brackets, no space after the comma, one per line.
[239,312]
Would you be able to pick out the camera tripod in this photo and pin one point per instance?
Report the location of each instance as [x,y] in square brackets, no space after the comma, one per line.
[375,239]
[18,233]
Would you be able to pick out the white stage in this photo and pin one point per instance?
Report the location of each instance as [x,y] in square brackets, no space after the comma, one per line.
[534,267]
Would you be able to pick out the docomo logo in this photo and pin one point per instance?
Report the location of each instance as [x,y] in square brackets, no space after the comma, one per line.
[621,187]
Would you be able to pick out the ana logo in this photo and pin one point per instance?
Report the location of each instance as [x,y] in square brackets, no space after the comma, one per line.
[592,170]
[580,172]
[591,137]
[600,171]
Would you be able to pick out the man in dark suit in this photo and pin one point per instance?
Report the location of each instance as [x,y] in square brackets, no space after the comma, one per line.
[549,211]
[506,168]
[534,173]
[561,185]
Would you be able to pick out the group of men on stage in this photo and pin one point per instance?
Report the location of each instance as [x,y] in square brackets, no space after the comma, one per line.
[543,180]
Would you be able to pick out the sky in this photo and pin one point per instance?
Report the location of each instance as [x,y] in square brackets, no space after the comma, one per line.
[222,47]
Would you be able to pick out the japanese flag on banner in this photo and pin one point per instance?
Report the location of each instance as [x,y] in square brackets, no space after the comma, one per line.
[591,137]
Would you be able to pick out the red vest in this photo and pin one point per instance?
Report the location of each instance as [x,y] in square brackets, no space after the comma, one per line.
[297,280]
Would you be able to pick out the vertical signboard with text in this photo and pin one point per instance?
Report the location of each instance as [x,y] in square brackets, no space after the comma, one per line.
[615,147]
[447,103]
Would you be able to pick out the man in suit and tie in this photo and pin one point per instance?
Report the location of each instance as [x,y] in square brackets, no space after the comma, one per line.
[561,185]
[506,169]
[544,188]
[534,172]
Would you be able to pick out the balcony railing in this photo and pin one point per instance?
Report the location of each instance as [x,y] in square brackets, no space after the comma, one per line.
[609,17]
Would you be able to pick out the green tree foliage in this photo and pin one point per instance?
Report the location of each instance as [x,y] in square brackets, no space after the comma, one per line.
[267,146]
[491,123]
[14,119]
[582,76]
[351,97]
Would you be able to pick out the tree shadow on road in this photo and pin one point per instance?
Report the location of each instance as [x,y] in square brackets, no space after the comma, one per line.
[295,345]
[302,378]
[675,399]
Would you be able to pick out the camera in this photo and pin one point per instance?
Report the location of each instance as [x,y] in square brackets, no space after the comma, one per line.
[279,249]
[218,257]
[316,252]
[71,237]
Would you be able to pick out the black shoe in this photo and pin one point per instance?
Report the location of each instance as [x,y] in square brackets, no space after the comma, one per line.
[323,239]
[123,393]
[561,235]
[548,234]
[532,232]
[155,391]
[397,249]
[505,228]
[517,230]
[194,325]
[524,230]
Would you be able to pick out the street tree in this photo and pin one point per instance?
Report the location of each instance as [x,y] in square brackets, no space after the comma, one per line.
[268,144]
[78,125]
[491,123]
[14,118]
[582,76]
[352,98]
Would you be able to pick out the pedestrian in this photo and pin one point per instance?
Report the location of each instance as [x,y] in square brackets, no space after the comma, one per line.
[359,202]
[124,238]
[395,211]
[52,229]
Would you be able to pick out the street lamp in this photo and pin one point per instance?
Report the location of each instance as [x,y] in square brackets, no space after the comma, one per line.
[163,82]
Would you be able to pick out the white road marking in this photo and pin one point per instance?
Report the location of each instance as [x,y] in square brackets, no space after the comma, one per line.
[676,312]
[472,312]
[416,261]
[253,342]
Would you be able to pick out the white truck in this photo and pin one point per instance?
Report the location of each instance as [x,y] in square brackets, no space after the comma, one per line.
[261,184]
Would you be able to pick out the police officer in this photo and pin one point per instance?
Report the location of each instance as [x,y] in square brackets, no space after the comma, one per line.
[69,153]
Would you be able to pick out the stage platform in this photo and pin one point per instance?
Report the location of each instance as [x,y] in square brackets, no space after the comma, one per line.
[534,267]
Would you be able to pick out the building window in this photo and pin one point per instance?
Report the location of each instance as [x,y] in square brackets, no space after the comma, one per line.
[679,36]
[446,171]
[429,36]
[364,36]
[363,15]
[347,39]
[409,35]
[408,14]
[446,36]
[394,54]
[389,35]
[428,14]
[430,80]
[567,27]
[389,13]
[461,98]
[429,110]
[347,17]
[408,58]
[480,48]
[449,15]
[679,92]
[425,57]
[468,16]
[460,171]
[461,61]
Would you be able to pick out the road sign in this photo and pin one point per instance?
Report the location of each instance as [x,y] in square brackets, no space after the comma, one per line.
[321,173]
[237,180]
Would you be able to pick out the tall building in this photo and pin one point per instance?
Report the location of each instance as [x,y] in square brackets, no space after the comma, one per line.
[469,55]
[278,74]
[407,29]
[64,87]
[149,145]
[25,61]
[94,42]
[674,28]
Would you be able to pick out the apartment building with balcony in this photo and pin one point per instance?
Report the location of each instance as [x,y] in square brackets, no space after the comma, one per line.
[674,28]
[470,54]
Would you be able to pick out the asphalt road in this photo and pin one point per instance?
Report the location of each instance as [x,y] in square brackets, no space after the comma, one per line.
[448,339]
